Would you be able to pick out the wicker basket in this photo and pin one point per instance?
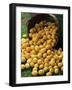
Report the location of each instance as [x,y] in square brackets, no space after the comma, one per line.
[40,17]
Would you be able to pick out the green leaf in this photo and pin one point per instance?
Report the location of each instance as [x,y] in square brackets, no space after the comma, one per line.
[24,30]
[26,73]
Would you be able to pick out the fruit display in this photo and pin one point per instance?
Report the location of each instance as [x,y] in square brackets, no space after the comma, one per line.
[38,50]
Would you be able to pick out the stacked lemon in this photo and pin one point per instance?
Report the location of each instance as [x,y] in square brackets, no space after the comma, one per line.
[38,52]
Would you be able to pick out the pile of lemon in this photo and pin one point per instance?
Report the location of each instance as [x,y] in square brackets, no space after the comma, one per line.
[38,50]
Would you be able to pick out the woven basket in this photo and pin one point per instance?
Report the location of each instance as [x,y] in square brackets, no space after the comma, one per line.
[40,17]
